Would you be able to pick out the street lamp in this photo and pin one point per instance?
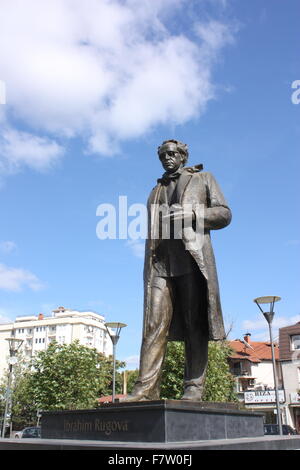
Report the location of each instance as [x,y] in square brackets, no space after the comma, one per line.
[269,317]
[14,345]
[114,330]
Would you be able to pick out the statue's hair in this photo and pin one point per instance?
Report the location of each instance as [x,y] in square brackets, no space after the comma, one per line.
[181,147]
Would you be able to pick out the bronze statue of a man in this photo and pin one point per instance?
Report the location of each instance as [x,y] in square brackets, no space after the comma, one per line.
[181,299]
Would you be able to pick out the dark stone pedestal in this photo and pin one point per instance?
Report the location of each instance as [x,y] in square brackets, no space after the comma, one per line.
[153,421]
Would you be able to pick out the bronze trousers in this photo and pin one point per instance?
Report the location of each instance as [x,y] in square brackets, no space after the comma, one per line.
[190,293]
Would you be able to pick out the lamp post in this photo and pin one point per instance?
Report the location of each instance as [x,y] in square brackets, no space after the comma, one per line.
[269,317]
[114,330]
[14,345]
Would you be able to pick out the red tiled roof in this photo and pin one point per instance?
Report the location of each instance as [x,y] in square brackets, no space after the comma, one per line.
[261,351]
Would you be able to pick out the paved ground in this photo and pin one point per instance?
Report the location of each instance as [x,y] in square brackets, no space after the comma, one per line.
[256,443]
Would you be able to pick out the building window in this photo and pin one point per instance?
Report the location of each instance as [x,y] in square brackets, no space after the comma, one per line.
[237,368]
[295,342]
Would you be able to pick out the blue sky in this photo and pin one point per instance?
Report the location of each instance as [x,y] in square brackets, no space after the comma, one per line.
[91,90]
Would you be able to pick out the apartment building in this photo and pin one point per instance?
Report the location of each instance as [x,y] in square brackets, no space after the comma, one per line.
[64,326]
[289,344]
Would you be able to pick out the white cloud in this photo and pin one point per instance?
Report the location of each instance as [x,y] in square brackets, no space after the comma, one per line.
[7,247]
[132,362]
[22,148]
[214,34]
[104,70]
[15,279]
[137,247]
[5,317]
[2,92]
[293,242]
[278,322]
[260,326]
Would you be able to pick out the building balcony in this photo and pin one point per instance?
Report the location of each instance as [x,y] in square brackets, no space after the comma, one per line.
[239,372]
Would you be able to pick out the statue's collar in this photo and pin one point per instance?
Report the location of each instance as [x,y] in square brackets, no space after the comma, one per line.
[168,177]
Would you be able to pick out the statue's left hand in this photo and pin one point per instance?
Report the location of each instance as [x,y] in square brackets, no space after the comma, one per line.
[177,212]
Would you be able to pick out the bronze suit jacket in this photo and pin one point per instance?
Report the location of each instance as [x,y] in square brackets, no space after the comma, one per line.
[195,189]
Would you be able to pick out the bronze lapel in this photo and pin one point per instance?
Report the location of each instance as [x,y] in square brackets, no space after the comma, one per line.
[182,184]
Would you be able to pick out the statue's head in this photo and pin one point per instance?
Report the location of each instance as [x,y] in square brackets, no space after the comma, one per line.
[173,155]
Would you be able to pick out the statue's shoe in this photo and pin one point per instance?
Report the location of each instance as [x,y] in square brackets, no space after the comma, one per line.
[192,394]
[133,398]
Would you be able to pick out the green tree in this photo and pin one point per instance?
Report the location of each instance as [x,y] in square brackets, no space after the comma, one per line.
[132,376]
[173,371]
[219,384]
[22,409]
[70,377]
[62,377]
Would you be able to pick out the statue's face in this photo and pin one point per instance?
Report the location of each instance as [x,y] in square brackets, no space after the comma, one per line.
[170,158]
